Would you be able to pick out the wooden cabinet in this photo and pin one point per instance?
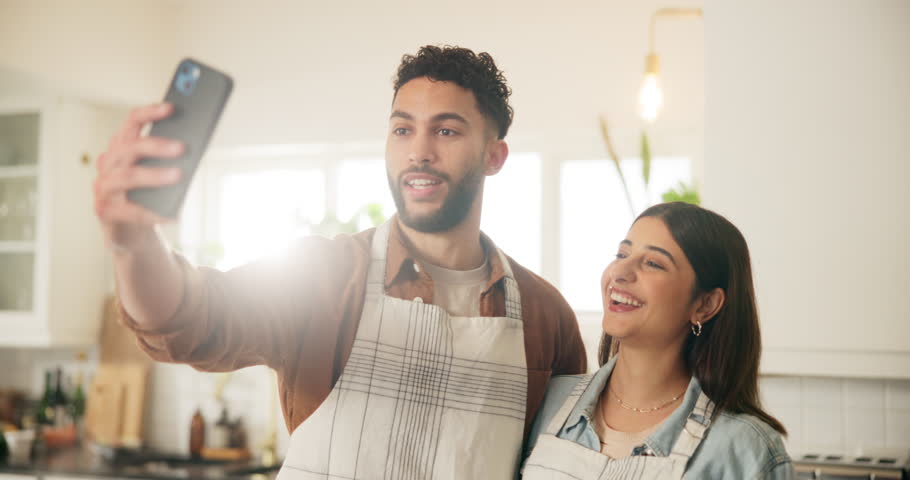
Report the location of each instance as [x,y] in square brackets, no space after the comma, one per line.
[54,270]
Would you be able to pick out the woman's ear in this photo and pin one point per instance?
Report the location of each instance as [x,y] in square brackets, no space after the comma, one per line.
[707,305]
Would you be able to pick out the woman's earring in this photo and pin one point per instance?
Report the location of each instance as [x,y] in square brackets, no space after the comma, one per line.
[697,331]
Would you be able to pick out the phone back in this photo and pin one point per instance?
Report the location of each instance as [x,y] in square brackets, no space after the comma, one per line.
[198,93]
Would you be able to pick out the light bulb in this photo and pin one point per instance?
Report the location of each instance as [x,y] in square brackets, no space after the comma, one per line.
[650,98]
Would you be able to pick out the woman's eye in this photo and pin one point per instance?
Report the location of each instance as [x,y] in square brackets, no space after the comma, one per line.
[652,263]
[621,255]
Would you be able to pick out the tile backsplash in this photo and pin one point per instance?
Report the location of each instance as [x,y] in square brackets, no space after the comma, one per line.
[840,415]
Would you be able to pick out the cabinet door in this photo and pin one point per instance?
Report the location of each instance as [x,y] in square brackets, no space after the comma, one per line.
[54,268]
[19,133]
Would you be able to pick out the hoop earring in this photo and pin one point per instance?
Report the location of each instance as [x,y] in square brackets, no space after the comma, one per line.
[695,331]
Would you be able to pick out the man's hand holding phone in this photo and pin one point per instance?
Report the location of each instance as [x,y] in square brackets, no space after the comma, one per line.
[143,180]
[127,225]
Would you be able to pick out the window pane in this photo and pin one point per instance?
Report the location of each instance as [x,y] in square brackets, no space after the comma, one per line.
[262,212]
[512,209]
[595,216]
[362,182]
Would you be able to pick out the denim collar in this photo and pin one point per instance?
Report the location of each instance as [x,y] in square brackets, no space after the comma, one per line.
[579,425]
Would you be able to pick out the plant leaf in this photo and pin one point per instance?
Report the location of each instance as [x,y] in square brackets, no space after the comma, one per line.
[645,158]
[605,133]
[686,193]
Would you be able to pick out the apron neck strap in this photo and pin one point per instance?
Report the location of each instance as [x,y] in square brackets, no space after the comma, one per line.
[378,254]
[512,295]
[694,431]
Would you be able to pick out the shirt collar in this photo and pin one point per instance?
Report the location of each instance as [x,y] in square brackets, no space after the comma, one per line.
[401,258]
[663,439]
[581,415]
[660,442]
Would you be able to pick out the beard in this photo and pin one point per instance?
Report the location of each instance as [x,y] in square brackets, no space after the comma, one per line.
[455,208]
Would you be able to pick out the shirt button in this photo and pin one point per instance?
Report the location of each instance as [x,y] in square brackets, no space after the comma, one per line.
[416,267]
[418,299]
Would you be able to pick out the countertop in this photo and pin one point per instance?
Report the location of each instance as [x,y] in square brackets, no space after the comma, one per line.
[83,462]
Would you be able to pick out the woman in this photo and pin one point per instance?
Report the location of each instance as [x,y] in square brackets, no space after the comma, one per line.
[677,393]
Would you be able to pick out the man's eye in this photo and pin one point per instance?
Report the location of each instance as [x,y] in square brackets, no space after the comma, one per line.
[400,131]
[446,132]
[621,255]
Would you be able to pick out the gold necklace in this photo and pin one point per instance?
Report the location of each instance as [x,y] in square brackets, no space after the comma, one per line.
[644,410]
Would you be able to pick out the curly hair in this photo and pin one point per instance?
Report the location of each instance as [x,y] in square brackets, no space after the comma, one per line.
[475,72]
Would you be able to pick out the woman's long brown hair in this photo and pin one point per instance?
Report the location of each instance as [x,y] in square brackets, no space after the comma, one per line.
[725,357]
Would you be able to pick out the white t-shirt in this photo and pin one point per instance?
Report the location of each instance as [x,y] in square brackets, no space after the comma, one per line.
[458,291]
[616,444]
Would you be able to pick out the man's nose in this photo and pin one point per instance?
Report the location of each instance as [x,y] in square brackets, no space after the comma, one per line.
[422,150]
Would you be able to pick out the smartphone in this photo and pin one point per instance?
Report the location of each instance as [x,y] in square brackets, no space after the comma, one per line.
[198,93]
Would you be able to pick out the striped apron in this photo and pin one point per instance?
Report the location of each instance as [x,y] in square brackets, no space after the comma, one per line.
[424,395]
[555,458]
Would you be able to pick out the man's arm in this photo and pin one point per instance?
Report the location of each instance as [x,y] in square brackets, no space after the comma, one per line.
[270,311]
[571,357]
[150,283]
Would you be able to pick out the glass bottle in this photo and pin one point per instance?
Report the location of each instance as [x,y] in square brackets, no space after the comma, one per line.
[44,414]
[60,403]
[77,406]
[197,434]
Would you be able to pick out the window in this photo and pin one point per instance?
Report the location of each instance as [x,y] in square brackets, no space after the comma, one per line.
[511,209]
[260,212]
[595,215]
[361,182]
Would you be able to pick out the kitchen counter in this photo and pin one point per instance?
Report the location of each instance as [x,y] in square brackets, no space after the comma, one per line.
[82,462]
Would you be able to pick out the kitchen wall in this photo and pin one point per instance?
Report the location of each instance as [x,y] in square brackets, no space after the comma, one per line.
[105,50]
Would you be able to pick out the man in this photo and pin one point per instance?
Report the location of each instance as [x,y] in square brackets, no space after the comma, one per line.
[414,350]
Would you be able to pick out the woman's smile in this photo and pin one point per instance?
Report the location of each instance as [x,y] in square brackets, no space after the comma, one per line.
[623,301]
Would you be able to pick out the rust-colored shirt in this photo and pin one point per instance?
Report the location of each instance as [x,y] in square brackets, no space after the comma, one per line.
[299,315]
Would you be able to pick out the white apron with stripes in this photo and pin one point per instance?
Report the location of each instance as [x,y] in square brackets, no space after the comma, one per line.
[555,458]
[424,395]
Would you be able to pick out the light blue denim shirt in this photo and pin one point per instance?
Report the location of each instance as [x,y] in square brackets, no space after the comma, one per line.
[736,446]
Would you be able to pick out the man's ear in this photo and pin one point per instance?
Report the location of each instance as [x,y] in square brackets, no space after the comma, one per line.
[497,152]
[707,305]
